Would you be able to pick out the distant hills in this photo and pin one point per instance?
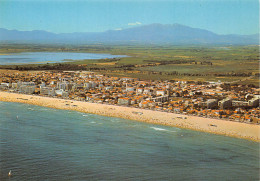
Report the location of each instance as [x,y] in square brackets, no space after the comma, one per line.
[175,34]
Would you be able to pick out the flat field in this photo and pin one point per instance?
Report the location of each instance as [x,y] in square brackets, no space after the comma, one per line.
[235,64]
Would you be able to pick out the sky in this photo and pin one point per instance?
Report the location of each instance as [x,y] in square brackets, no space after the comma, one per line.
[66,16]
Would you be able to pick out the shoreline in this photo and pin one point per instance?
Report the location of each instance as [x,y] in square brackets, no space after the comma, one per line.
[209,125]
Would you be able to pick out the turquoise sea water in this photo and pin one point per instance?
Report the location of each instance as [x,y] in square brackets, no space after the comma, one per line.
[49,144]
[37,57]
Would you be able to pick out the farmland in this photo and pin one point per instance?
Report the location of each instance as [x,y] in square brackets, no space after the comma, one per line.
[238,64]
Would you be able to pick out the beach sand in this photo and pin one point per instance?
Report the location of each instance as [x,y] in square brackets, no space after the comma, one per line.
[215,126]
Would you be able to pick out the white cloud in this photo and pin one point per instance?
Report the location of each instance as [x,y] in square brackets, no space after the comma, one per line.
[118,29]
[134,24]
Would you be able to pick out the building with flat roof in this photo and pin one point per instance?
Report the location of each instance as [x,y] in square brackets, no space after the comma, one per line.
[225,103]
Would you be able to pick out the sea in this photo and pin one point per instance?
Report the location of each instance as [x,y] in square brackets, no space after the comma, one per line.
[51,57]
[39,143]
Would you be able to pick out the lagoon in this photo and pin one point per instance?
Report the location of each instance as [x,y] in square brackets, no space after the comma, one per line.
[50,57]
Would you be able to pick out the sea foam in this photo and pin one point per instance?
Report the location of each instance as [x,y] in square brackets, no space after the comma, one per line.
[161,129]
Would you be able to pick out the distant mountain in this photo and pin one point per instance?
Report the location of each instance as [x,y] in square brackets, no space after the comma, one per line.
[152,34]
[14,35]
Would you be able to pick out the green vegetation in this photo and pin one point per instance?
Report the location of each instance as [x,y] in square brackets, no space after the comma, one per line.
[232,63]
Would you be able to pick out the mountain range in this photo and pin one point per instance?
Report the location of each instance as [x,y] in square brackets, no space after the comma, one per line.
[147,34]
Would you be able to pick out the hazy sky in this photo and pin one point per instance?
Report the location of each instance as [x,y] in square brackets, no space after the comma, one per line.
[62,16]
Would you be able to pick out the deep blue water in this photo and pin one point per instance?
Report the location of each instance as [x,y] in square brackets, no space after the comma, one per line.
[39,57]
[49,144]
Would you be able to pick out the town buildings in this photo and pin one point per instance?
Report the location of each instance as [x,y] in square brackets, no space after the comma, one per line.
[207,99]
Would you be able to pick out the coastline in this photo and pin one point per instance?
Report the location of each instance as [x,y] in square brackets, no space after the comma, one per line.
[209,125]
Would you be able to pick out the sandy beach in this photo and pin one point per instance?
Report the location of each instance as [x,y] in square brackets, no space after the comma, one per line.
[215,126]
